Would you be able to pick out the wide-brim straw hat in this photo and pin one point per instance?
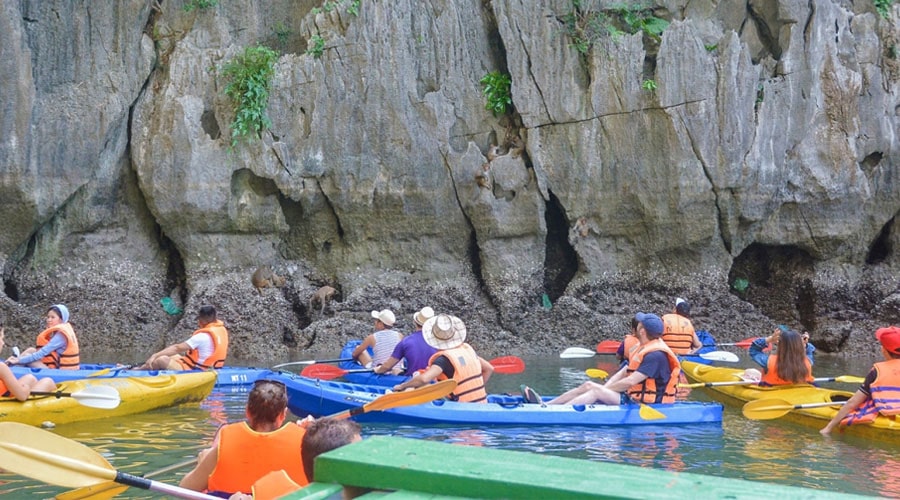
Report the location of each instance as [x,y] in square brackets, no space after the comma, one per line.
[423,315]
[444,332]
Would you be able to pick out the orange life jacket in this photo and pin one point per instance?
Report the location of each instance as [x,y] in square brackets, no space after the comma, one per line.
[275,484]
[470,384]
[246,455]
[885,395]
[771,376]
[71,357]
[678,333]
[4,391]
[219,335]
[646,391]
[632,344]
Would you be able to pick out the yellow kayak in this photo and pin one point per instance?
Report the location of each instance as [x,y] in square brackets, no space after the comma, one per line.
[788,395]
[138,394]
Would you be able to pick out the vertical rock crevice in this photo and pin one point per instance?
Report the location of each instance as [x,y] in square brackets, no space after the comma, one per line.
[560,258]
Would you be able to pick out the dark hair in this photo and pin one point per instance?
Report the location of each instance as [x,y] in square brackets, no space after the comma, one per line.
[683,308]
[792,357]
[325,434]
[206,313]
[266,402]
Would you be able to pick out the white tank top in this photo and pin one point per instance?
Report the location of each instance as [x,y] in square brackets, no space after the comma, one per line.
[385,341]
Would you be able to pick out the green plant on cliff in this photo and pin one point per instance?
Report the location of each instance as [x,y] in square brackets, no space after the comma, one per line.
[884,7]
[587,22]
[249,76]
[315,46]
[199,4]
[351,6]
[497,91]
[649,85]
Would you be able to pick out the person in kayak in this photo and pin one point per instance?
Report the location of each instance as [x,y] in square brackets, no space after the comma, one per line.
[878,393]
[56,346]
[454,359]
[243,452]
[382,342]
[206,348]
[412,348]
[322,435]
[679,331]
[650,376]
[20,388]
[792,361]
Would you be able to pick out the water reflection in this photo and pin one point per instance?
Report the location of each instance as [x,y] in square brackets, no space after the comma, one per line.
[771,451]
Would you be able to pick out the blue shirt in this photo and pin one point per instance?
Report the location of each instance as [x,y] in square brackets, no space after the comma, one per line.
[57,343]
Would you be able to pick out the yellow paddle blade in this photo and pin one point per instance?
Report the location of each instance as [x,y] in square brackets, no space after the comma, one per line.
[98,373]
[71,464]
[102,491]
[648,413]
[596,373]
[849,379]
[417,396]
[767,409]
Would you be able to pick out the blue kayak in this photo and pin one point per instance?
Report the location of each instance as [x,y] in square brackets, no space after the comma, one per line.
[227,376]
[320,397]
[365,378]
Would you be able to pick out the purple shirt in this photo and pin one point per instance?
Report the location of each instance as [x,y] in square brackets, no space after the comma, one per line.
[416,351]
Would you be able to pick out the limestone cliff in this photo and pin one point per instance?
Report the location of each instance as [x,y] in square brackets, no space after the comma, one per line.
[746,157]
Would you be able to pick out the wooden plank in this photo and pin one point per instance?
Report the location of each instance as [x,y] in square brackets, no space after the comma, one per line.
[433,468]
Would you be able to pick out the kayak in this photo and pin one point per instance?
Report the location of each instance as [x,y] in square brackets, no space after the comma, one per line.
[798,394]
[316,397]
[138,394]
[365,378]
[226,376]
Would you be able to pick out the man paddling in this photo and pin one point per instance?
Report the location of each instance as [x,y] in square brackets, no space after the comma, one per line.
[650,376]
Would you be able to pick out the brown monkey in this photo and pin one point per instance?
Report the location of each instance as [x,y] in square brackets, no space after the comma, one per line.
[264,277]
[322,296]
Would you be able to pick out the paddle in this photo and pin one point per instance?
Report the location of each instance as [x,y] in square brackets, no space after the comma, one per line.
[44,456]
[725,356]
[848,379]
[417,396]
[743,343]
[596,373]
[504,364]
[608,347]
[110,489]
[311,362]
[576,352]
[767,409]
[94,396]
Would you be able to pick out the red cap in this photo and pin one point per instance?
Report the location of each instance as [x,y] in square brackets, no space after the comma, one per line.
[889,338]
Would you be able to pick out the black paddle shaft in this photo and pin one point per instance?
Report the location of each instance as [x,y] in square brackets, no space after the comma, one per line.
[130,480]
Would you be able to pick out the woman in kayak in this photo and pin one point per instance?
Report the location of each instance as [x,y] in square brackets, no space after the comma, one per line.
[20,388]
[792,361]
[56,346]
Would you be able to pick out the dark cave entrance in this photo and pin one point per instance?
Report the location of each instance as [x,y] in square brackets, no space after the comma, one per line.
[560,259]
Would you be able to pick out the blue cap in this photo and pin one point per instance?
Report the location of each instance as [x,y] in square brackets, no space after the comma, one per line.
[651,323]
[63,312]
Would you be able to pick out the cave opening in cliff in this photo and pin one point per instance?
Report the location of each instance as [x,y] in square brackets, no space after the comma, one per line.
[776,280]
[560,259]
[881,249]
[176,276]
[11,290]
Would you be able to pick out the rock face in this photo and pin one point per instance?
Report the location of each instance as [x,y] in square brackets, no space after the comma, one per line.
[746,158]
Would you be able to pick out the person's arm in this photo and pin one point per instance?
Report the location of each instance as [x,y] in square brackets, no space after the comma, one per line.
[425,377]
[487,369]
[368,342]
[810,349]
[386,366]
[58,342]
[623,383]
[853,403]
[198,479]
[695,341]
[622,373]
[756,351]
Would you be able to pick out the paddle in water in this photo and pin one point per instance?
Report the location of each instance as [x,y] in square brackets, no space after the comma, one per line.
[845,379]
[44,456]
[768,409]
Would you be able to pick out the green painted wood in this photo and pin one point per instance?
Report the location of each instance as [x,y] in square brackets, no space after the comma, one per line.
[317,491]
[432,468]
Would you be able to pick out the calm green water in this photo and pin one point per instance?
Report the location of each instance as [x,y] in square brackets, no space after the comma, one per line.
[770,451]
